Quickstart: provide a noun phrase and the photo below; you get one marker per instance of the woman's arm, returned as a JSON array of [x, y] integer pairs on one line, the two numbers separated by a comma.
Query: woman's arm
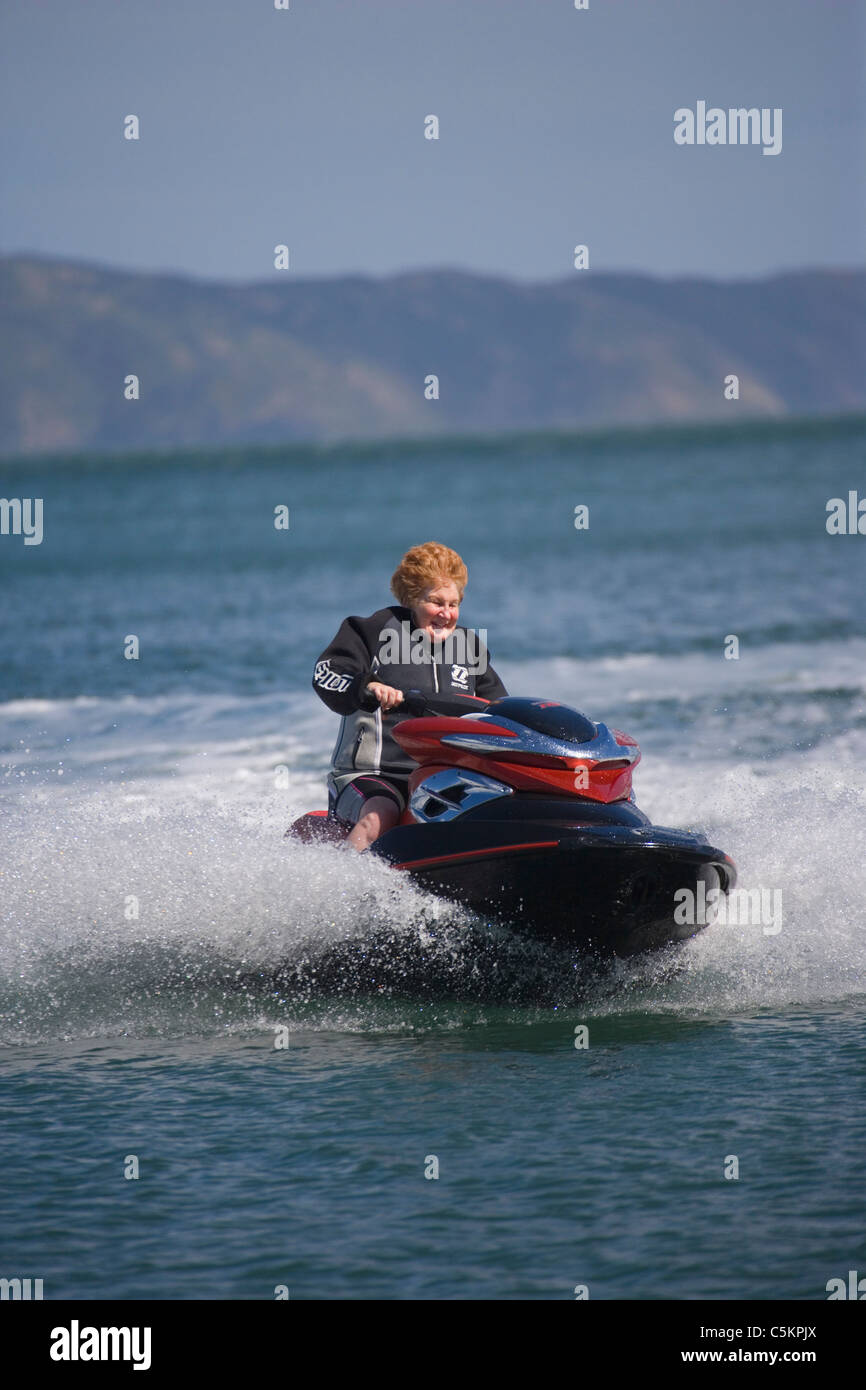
[[344, 668]]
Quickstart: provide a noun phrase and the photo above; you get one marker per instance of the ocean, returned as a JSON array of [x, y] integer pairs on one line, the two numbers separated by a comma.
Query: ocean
[[223, 1072]]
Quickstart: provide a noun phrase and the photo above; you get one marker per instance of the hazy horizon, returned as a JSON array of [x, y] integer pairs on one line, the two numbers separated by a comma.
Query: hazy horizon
[[625, 272]]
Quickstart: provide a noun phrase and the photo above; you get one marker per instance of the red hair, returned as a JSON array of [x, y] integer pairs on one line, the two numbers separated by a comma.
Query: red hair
[[422, 568]]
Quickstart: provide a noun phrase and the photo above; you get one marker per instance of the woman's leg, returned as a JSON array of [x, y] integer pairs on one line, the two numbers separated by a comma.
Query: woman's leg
[[380, 814]]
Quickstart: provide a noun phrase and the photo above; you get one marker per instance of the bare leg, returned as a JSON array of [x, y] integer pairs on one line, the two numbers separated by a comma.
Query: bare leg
[[380, 814]]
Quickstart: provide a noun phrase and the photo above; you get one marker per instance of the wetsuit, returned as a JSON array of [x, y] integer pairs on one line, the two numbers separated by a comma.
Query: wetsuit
[[387, 647]]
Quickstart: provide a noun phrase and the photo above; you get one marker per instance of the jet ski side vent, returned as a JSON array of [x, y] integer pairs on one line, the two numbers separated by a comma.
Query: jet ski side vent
[[452, 791]]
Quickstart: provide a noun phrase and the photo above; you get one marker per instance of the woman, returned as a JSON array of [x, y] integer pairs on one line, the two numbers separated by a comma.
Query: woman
[[415, 644]]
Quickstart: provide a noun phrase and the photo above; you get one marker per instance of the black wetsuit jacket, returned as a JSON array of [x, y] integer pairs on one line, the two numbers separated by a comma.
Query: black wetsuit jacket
[[387, 647]]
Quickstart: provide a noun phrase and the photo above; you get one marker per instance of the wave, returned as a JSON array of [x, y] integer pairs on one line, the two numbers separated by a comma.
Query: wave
[[766, 676], [126, 911]]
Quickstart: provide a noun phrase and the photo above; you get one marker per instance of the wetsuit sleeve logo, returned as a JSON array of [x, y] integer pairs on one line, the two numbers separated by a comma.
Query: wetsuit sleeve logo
[[326, 679]]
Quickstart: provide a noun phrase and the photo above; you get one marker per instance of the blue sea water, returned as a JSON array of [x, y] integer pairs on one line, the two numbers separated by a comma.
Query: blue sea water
[[167, 782]]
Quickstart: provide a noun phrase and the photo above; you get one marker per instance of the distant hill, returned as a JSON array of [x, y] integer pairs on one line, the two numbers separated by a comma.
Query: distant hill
[[346, 358]]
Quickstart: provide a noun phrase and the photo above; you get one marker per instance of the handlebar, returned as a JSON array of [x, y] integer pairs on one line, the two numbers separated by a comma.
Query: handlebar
[[420, 702]]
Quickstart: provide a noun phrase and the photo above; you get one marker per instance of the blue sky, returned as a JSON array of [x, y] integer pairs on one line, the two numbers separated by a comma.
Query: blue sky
[[306, 127]]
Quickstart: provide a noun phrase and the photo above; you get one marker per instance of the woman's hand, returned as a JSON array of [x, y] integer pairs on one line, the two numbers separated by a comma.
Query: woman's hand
[[387, 695]]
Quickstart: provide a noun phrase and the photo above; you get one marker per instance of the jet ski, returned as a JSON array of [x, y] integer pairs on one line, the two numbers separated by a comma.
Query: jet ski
[[522, 810]]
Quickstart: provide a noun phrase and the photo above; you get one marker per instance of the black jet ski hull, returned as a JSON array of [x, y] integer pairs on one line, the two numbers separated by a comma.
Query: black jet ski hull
[[602, 883]]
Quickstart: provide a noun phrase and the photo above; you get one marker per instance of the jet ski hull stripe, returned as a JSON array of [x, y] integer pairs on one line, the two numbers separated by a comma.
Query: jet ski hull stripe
[[475, 854]]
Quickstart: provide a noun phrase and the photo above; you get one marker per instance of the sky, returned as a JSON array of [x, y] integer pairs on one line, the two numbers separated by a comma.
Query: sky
[[305, 126]]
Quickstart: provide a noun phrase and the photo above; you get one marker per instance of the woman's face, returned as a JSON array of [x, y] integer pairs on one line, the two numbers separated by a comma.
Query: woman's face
[[437, 612]]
